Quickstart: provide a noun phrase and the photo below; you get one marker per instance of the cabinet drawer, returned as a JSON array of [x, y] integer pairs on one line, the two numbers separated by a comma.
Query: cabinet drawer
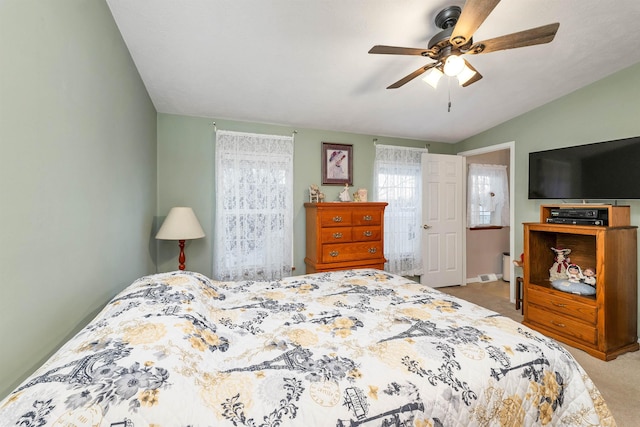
[[335, 218], [366, 217], [336, 235], [351, 251], [562, 305], [563, 325], [362, 234]]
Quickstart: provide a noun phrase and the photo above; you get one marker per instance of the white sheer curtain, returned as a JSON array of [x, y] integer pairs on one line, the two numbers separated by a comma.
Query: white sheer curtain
[[254, 206], [487, 195], [398, 181]]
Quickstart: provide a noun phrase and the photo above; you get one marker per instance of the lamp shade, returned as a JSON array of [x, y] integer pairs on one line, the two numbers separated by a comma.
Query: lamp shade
[[180, 224], [433, 77], [453, 65], [465, 75]]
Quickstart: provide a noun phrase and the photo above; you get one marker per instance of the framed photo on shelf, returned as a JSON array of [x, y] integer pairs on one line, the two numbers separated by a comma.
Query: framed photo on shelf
[[337, 164]]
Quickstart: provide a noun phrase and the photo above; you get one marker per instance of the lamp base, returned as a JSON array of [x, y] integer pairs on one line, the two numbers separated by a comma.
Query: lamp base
[[181, 258]]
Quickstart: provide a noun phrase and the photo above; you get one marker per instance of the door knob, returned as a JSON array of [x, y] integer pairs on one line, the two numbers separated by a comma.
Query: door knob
[[426, 227]]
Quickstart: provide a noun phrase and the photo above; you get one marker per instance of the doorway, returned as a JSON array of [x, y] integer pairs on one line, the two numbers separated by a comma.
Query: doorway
[[506, 151]]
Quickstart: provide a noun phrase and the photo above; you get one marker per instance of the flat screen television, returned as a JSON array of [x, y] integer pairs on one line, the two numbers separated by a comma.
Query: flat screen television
[[607, 170]]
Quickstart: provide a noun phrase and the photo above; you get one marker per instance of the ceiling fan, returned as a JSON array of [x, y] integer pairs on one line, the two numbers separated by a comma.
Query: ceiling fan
[[456, 39]]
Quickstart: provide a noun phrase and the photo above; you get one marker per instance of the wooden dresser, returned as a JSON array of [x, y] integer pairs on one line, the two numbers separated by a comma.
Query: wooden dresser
[[344, 235], [605, 324]]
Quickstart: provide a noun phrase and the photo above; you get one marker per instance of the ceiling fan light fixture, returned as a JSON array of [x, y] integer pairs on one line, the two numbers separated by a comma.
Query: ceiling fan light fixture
[[453, 65], [465, 75], [456, 39], [433, 77]]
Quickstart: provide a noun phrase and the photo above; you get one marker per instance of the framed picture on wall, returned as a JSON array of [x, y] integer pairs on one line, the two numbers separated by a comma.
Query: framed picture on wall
[[337, 164]]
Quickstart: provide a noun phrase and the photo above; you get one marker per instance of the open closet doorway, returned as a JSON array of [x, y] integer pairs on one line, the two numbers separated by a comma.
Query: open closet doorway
[[485, 247]]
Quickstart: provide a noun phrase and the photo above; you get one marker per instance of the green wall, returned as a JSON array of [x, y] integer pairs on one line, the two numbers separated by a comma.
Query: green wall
[[186, 169], [606, 110], [88, 170], [77, 175]]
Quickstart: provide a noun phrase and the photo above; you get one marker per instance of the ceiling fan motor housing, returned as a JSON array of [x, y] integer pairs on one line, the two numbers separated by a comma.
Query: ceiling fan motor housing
[[441, 39], [448, 17], [440, 44]]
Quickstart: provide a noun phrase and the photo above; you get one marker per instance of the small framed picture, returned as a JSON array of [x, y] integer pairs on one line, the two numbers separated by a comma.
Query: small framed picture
[[337, 164]]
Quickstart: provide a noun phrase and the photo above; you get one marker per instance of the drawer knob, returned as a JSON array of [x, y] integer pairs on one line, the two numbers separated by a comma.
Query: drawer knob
[[561, 325], [373, 250], [367, 217], [337, 235], [558, 305], [333, 253], [367, 233], [337, 218]]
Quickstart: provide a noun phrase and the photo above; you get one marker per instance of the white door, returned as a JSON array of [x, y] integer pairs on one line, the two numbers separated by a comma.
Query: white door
[[443, 220]]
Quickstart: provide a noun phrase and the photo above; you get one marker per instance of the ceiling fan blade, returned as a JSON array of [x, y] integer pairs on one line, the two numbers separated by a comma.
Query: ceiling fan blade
[[395, 50], [473, 15], [477, 76], [533, 36], [411, 76]]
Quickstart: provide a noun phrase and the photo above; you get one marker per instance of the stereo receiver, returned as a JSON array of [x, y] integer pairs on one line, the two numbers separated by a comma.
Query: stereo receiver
[[577, 221], [579, 213]]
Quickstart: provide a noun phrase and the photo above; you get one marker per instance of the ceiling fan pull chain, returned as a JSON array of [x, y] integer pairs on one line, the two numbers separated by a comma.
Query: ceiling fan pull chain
[[449, 90]]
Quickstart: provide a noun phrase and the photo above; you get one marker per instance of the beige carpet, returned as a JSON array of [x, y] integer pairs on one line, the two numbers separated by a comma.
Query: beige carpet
[[618, 380]]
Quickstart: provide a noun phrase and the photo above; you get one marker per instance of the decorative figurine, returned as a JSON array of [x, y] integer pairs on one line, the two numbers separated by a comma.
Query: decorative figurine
[[577, 281], [344, 195], [574, 272], [314, 193], [589, 278], [519, 262], [360, 195], [559, 268]]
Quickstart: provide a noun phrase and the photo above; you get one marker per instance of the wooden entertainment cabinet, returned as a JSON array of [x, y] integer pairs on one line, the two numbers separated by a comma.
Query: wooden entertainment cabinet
[[605, 324]]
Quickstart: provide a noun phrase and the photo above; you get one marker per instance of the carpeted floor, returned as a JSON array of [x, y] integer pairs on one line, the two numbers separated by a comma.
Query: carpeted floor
[[618, 380]]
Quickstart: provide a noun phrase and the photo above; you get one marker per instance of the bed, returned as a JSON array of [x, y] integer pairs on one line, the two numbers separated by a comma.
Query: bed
[[346, 348]]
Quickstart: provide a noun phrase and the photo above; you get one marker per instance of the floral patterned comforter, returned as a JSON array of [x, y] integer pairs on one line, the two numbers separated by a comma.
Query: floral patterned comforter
[[350, 348]]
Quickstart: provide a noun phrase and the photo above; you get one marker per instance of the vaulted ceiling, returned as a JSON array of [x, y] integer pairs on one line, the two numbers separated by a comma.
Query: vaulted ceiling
[[304, 63]]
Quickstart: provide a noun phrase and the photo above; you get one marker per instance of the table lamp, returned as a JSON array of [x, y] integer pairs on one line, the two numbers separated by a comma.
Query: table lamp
[[181, 224]]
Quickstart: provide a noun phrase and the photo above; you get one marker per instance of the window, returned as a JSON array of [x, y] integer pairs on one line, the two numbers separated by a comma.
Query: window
[[397, 180], [487, 196], [254, 206]]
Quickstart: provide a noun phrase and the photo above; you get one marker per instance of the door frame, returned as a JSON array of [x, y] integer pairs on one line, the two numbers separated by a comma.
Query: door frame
[[511, 146]]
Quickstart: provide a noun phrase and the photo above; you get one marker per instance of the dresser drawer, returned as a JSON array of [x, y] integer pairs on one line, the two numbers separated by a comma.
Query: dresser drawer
[[366, 217], [563, 306], [563, 325], [336, 235], [351, 251], [362, 234], [335, 218]]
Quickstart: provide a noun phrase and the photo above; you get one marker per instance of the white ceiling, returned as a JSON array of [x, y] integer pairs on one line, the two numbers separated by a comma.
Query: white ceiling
[[304, 63]]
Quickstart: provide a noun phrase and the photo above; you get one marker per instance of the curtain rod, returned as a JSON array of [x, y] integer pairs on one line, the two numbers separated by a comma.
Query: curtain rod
[[426, 146], [375, 142], [215, 129]]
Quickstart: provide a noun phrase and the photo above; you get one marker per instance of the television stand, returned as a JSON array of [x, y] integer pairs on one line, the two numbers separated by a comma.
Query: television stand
[[605, 324]]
